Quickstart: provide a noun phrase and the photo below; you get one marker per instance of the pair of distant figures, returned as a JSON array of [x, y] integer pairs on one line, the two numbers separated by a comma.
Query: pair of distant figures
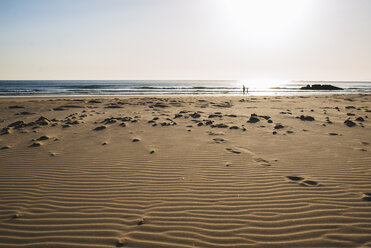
[[244, 89]]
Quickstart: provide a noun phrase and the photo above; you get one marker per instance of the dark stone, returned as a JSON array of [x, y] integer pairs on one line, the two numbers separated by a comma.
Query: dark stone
[[195, 115], [16, 107], [43, 138], [43, 121], [321, 87], [360, 119], [306, 118], [278, 126], [100, 128], [221, 125], [159, 105], [75, 122], [35, 144], [17, 124], [349, 123], [94, 101], [253, 119], [350, 107], [208, 122]]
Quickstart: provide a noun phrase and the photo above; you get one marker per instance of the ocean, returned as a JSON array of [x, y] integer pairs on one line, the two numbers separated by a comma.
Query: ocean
[[169, 87]]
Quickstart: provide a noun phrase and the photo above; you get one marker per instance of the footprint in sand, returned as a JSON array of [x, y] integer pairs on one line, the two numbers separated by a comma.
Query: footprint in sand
[[262, 162], [367, 197], [121, 243], [219, 140], [233, 151], [294, 178], [309, 183], [302, 182], [35, 144]]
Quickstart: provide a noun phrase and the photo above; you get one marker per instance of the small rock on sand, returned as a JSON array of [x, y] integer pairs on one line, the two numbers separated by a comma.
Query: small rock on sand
[[349, 123], [253, 119], [44, 137], [278, 126], [35, 144], [306, 118], [99, 128]]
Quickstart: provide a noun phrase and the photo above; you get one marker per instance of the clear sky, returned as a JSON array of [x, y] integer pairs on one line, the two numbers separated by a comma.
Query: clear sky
[[185, 39]]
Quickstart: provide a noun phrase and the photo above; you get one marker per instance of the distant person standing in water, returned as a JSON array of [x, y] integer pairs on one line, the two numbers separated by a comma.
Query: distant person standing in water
[[243, 89]]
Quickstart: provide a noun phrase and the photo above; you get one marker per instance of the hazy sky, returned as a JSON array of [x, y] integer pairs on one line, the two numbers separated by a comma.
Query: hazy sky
[[185, 39]]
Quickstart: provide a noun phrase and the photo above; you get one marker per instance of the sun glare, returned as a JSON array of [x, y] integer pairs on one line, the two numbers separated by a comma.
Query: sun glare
[[265, 19]]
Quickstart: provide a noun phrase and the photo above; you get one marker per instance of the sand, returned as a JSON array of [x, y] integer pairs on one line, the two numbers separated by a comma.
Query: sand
[[183, 171]]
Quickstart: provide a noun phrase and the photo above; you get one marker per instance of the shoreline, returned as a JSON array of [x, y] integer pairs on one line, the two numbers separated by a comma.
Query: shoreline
[[308, 94]]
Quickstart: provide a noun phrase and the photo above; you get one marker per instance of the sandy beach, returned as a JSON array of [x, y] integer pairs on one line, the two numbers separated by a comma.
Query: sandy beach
[[187, 171]]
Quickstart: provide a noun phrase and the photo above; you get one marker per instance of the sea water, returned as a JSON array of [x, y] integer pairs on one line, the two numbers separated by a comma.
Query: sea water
[[168, 87]]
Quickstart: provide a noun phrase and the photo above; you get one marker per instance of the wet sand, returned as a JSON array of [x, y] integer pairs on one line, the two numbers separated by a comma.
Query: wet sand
[[199, 171]]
